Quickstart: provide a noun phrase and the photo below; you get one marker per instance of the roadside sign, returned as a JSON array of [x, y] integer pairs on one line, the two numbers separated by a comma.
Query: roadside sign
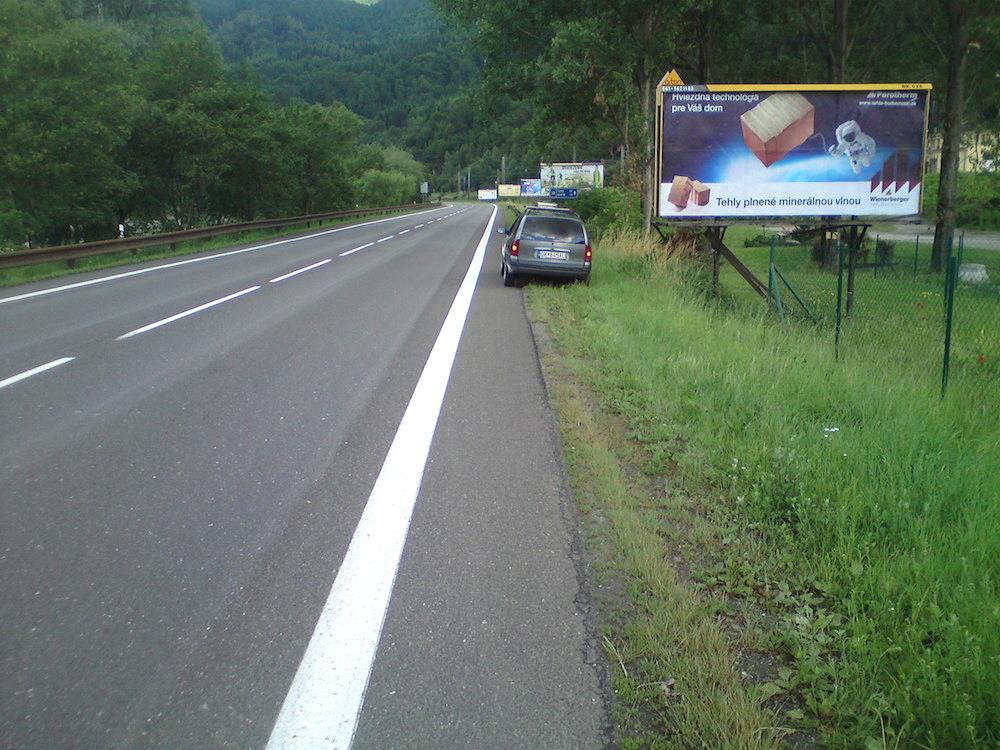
[[672, 79], [758, 151], [425, 188], [578, 175], [487, 195], [531, 187], [563, 192]]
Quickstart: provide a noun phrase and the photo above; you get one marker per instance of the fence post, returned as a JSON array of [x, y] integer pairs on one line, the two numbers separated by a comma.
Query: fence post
[[840, 296], [916, 256], [951, 282], [875, 270], [852, 263], [772, 285]]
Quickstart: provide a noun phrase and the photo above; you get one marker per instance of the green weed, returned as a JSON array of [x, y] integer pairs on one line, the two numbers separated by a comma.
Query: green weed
[[862, 512]]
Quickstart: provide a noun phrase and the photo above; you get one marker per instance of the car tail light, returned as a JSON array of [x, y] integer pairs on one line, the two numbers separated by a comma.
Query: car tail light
[[515, 248], [587, 254]]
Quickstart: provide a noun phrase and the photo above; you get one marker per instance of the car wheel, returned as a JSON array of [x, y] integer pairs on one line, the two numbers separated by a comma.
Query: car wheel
[[508, 277]]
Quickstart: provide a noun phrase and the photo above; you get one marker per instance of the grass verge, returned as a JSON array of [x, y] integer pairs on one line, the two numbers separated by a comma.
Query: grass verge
[[836, 521], [55, 269], [676, 678]]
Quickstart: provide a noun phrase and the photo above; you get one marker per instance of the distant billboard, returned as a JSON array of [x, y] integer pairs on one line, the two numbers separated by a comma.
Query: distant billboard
[[563, 192], [579, 175], [509, 191], [487, 195], [808, 150], [531, 187]]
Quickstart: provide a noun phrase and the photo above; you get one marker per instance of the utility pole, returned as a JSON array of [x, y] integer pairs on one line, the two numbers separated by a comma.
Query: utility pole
[[574, 152], [469, 179], [503, 170]]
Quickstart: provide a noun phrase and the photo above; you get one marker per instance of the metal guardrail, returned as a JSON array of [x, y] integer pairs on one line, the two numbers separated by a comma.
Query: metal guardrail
[[101, 247]]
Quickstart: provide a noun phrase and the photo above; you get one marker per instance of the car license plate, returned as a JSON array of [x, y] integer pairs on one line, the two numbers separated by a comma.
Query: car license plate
[[551, 255]]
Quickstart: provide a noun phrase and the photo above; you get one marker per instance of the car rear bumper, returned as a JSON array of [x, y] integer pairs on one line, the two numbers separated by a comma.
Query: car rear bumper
[[523, 268]]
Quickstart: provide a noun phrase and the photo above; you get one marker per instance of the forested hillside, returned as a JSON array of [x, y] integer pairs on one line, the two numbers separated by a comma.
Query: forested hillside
[[125, 112], [409, 72]]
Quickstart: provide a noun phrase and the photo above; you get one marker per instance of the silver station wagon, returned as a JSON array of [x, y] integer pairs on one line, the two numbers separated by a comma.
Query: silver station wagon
[[549, 242]]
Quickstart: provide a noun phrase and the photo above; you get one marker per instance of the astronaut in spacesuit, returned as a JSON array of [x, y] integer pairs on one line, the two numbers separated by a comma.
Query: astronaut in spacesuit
[[855, 144]]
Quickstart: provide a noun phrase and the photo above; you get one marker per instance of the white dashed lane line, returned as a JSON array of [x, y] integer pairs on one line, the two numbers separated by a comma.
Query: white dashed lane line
[[202, 258], [354, 250], [34, 371], [404, 231], [186, 313], [385, 239], [301, 270]]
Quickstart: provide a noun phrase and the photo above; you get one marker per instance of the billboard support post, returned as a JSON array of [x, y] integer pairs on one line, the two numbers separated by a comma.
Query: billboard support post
[[716, 235], [852, 262], [840, 295], [716, 268]]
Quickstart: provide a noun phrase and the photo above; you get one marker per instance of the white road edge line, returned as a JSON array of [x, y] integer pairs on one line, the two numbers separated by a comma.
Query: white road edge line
[[301, 270], [34, 371], [200, 259], [362, 247], [324, 701], [186, 313]]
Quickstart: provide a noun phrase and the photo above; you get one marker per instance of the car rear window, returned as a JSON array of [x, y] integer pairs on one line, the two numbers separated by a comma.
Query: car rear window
[[552, 229]]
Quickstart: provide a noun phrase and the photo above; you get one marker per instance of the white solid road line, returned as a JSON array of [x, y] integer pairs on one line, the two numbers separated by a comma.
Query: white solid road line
[[186, 313], [362, 247], [323, 704], [34, 371], [201, 259], [301, 270]]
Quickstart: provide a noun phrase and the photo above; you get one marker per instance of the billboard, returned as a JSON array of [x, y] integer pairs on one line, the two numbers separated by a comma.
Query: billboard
[[563, 192], [487, 195], [752, 151], [531, 187], [509, 191], [581, 176]]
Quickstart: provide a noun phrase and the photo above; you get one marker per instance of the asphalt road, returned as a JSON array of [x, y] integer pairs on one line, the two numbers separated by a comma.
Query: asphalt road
[[186, 453]]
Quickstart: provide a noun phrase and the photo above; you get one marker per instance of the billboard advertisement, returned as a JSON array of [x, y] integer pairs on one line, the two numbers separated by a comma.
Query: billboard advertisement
[[531, 187], [579, 175], [563, 192], [487, 195], [809, 150], [509, 191]]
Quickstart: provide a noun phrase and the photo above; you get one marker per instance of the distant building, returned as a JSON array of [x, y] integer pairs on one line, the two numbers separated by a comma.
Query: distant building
[[980, 152]]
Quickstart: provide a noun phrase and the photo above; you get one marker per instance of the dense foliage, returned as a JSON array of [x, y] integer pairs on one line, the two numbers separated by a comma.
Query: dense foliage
[[126, 112], [412, 75]]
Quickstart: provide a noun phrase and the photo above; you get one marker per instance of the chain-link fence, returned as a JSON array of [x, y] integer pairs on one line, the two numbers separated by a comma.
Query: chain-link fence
[[885, 300]]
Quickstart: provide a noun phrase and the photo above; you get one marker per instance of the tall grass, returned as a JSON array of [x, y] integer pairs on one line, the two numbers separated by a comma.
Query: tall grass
[[873, 506]]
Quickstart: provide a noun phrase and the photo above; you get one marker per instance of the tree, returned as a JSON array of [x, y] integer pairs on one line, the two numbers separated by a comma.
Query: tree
[[951, 30], [316, 144], [67, 102]]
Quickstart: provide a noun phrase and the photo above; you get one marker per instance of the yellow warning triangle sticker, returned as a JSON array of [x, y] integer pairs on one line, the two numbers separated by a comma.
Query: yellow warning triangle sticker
[[672, 79]]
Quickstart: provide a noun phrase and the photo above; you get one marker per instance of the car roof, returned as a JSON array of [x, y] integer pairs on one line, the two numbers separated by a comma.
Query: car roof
[[562, 213]]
